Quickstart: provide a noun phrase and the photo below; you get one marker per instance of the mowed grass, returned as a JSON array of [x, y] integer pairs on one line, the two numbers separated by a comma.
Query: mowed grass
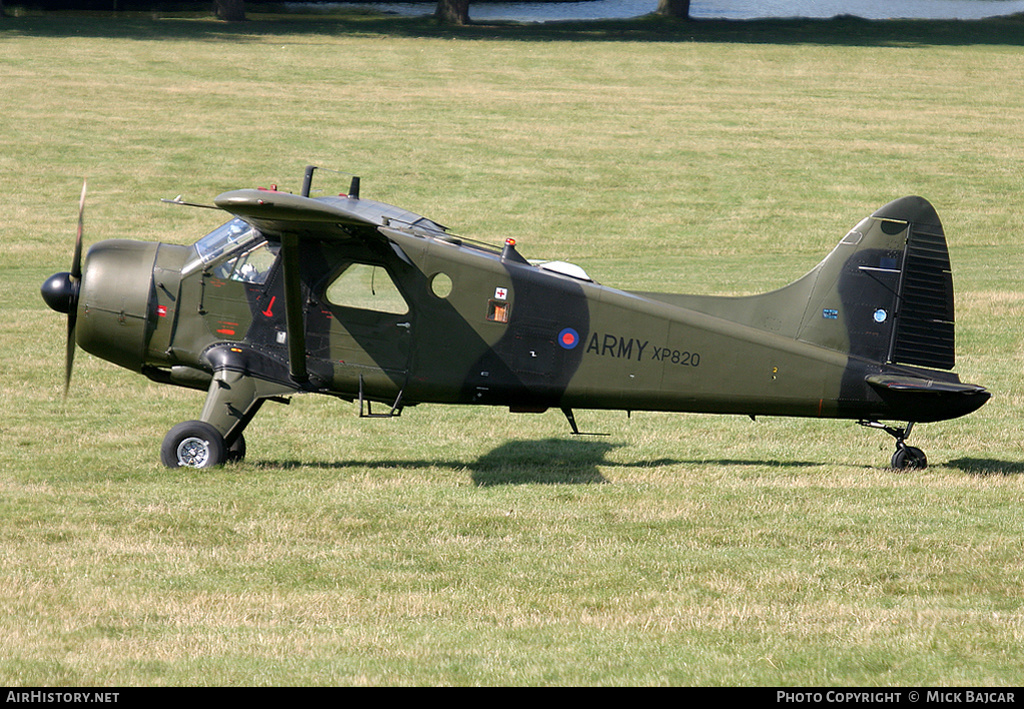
[[472, 546]]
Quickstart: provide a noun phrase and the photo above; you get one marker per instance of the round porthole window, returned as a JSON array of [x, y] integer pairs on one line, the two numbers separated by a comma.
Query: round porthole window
[[441, 285]]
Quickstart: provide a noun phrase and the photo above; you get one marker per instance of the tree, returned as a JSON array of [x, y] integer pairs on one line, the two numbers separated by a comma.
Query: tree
[[454, 12], [228, 10], [674, 8]]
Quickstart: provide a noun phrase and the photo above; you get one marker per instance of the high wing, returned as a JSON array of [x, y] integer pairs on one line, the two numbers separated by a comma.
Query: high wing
[[281, 214]]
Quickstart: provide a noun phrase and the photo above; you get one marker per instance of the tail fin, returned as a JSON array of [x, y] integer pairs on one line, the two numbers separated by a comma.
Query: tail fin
[[885, 293], [889, 284]]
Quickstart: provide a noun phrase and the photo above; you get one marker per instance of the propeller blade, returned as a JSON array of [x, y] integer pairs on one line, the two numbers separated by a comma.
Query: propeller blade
[[69, 353], [76, 276], [76, 260]]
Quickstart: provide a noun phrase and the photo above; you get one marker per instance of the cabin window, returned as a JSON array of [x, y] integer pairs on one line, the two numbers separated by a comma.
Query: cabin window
[[367, 287], [441, 285]]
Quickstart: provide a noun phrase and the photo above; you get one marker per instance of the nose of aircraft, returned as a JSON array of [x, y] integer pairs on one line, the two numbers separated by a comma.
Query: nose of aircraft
[[109, 305], [115, 299]]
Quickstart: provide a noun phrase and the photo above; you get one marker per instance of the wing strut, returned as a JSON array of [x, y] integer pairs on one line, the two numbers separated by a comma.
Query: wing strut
[[295, 319]]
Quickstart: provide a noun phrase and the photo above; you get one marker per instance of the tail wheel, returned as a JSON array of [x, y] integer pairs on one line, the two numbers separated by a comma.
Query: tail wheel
[[909, 458], [193, 444], [906, 457]]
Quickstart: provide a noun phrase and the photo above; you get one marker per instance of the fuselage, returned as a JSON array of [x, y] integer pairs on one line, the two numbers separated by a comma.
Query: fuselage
[[431, 319]]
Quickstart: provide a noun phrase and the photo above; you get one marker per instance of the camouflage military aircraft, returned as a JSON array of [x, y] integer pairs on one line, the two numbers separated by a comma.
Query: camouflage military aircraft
[[368, 302]]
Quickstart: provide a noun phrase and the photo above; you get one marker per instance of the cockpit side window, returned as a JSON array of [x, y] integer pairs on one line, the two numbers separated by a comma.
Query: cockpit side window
[[254, 265]]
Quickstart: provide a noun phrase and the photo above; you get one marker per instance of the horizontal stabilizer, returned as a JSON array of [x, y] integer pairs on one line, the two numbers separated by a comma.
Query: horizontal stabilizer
[[923, 400], [921, 386]]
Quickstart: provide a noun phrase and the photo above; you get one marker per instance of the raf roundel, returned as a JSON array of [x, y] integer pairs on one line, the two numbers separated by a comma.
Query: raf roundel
[[568, 338]]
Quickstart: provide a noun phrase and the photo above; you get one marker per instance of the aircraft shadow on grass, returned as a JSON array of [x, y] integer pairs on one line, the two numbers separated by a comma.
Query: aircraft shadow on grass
[[551, 461], [982, 467]]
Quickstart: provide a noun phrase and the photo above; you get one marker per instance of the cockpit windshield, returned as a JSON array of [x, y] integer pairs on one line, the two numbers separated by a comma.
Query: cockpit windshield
[[225, 239]]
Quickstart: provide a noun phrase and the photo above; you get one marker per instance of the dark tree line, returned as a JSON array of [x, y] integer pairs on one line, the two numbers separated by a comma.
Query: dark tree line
[[452, 12]]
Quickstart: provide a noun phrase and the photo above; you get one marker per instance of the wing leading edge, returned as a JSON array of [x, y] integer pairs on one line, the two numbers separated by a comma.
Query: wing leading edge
[[277, 214]]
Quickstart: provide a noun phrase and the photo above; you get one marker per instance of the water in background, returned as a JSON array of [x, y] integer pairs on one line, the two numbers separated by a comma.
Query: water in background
[[728, 9]]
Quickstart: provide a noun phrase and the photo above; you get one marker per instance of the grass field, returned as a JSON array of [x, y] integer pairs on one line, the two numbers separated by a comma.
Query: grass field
[[476, 547]]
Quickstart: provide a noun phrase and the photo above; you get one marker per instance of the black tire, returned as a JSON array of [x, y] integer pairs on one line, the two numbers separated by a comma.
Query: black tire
[[193, 444], [909, 458]]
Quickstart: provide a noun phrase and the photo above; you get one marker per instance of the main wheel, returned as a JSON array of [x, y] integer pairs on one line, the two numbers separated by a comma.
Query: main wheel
[[193, 444], [909, 458]]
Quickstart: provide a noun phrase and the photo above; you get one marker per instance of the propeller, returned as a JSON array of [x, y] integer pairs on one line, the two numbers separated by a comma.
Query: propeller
[[60, 291]]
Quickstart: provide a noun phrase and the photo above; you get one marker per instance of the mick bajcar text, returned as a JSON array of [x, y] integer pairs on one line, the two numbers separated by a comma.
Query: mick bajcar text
[[888, 697]]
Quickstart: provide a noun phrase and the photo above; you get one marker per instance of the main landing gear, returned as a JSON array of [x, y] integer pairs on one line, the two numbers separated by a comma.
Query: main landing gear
[[906, 457], [216, 438]]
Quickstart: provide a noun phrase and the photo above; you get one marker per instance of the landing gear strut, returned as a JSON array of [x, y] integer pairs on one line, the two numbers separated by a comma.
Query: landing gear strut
[[216, 438], [906, 457]]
